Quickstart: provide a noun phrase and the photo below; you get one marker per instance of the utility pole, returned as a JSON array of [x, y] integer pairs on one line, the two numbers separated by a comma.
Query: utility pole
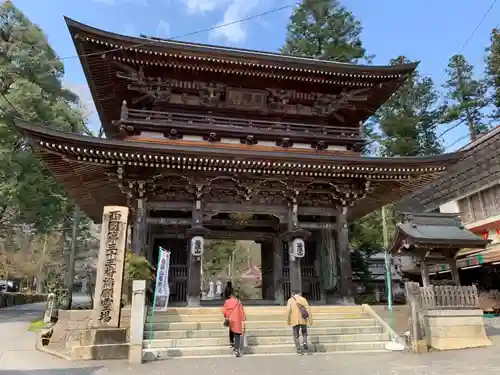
[[72, 257]]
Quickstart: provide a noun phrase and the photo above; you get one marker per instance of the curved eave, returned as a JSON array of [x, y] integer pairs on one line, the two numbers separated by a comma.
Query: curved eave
[[82, 164], [399, 165], [235, 55]]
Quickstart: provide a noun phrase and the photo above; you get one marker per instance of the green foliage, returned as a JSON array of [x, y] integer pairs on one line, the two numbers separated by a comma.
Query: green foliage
[[325, 30], [467, 96], [31, 88], [408, 120], [493, 71], [137, 267], [217, 256]]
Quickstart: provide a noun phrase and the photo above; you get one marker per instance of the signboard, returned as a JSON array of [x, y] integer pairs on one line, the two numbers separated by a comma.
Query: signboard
[[162, 289]]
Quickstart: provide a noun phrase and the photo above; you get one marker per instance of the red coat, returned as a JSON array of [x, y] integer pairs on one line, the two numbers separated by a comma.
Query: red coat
[[233, 309]]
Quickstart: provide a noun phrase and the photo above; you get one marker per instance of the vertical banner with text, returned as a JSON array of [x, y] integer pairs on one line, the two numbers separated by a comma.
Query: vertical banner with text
[[162, 289]]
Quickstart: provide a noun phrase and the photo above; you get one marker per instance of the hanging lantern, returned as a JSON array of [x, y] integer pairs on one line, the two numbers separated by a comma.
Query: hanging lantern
[[197, 246], [298, 248]]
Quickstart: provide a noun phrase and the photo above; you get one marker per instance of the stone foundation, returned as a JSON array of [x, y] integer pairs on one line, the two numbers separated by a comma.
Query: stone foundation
[[73, 336], [455, 329]]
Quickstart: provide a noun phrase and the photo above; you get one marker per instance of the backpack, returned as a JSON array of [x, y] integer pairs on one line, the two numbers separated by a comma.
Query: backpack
[[303, 311]]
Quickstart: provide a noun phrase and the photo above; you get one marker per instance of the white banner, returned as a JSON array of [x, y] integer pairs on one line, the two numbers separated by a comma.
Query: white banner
[[162, 290]]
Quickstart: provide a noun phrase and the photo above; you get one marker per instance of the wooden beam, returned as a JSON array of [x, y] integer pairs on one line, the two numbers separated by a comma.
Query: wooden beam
[[241, 207], [231, 223]]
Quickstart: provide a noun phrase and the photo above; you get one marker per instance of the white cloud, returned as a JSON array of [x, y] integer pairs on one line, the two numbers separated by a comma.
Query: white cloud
[[163, 29], [233, 10], [202, 6], [236, 10]]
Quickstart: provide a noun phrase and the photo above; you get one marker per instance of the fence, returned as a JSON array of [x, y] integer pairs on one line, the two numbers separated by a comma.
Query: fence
[[448, 297]]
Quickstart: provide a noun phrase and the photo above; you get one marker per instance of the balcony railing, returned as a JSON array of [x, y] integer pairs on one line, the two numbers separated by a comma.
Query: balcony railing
[[196, 124]]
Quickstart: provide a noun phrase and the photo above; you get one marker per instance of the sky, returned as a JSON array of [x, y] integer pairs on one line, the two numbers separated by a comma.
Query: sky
[[429, 31]]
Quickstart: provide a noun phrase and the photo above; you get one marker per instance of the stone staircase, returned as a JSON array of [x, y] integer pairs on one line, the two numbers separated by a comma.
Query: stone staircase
[[197, 332]]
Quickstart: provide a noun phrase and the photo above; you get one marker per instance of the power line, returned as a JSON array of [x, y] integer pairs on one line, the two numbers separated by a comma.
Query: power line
[[215, 27], [479, 24]]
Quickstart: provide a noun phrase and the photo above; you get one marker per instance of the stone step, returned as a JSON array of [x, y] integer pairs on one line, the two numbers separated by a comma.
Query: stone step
[[161, 318], [282, 331], [263, 340], [264, 310], [166, 353], [251, 324]]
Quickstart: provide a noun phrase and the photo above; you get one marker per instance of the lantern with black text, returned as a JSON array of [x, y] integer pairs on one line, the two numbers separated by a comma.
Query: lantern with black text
[[197, 245], [299, 248]]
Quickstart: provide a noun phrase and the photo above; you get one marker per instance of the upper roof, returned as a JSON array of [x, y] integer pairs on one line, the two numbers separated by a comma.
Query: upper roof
[[429, 231], [82, 165], [104, 54]]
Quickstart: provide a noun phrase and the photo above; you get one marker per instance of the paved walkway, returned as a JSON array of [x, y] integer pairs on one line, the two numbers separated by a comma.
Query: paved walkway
[[19, 357]]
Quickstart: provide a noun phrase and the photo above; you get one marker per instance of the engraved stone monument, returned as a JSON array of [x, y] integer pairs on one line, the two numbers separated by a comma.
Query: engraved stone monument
[[50, 308], [108, 288]]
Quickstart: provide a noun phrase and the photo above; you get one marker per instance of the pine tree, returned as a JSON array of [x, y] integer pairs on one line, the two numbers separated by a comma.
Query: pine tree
[[325, 30], [493, 72], [467, 95], [408, 121]]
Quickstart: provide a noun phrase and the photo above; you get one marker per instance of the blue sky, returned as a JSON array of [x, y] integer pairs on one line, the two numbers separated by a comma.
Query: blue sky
[[426, 30]]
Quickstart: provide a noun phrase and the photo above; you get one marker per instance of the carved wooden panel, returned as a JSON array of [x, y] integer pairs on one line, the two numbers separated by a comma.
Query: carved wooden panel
[[246, 98]]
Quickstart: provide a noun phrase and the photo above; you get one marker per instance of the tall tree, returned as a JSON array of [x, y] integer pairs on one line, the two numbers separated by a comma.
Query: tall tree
[[467, 96], [30, 88], [325, 30], [408, 121], [493, 71]]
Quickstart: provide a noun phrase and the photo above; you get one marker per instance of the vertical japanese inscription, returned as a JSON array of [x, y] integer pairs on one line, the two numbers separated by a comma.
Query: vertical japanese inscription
[[110, 267]]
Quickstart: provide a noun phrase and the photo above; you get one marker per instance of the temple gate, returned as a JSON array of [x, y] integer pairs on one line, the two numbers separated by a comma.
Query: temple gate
[[196, 133]]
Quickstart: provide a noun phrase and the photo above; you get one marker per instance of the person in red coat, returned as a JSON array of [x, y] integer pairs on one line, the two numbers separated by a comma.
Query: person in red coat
[[235, 315]]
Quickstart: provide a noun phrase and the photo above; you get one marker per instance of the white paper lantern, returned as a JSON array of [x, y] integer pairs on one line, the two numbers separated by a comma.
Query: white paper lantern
[[197, 246], [299, 248]]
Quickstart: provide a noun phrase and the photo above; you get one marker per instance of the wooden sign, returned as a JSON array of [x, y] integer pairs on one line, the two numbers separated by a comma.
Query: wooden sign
[[246, 98], [110, 263]]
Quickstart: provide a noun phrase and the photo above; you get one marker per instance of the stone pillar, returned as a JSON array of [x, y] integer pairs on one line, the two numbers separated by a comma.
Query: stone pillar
[[344, 256], [454, 272], [279, 293], [138, 313], [111, 260], [140, 232]]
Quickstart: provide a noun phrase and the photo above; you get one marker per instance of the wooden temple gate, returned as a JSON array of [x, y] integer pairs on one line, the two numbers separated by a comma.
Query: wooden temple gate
[[196, 132]]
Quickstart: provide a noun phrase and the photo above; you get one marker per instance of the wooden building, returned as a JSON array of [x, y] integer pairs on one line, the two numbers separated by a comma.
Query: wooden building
[[198, 132], [471, 189]]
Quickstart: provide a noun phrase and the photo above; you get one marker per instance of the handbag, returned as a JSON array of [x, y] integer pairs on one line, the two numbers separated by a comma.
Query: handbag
[[303, 311], [225, 322]]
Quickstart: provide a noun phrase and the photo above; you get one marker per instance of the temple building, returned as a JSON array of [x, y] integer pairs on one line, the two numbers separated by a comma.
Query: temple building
[[213, 142]]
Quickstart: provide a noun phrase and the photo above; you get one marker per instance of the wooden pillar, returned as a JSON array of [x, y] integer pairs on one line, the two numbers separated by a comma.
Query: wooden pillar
[[267, 268], [140, 228], [454, 271], [424, 269], [194, 262], [279, 293], [344, 256], [294, 264], [328, 264]]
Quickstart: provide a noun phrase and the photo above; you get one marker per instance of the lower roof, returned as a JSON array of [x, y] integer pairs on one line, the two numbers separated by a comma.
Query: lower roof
[[83, 165], [434, 231]]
